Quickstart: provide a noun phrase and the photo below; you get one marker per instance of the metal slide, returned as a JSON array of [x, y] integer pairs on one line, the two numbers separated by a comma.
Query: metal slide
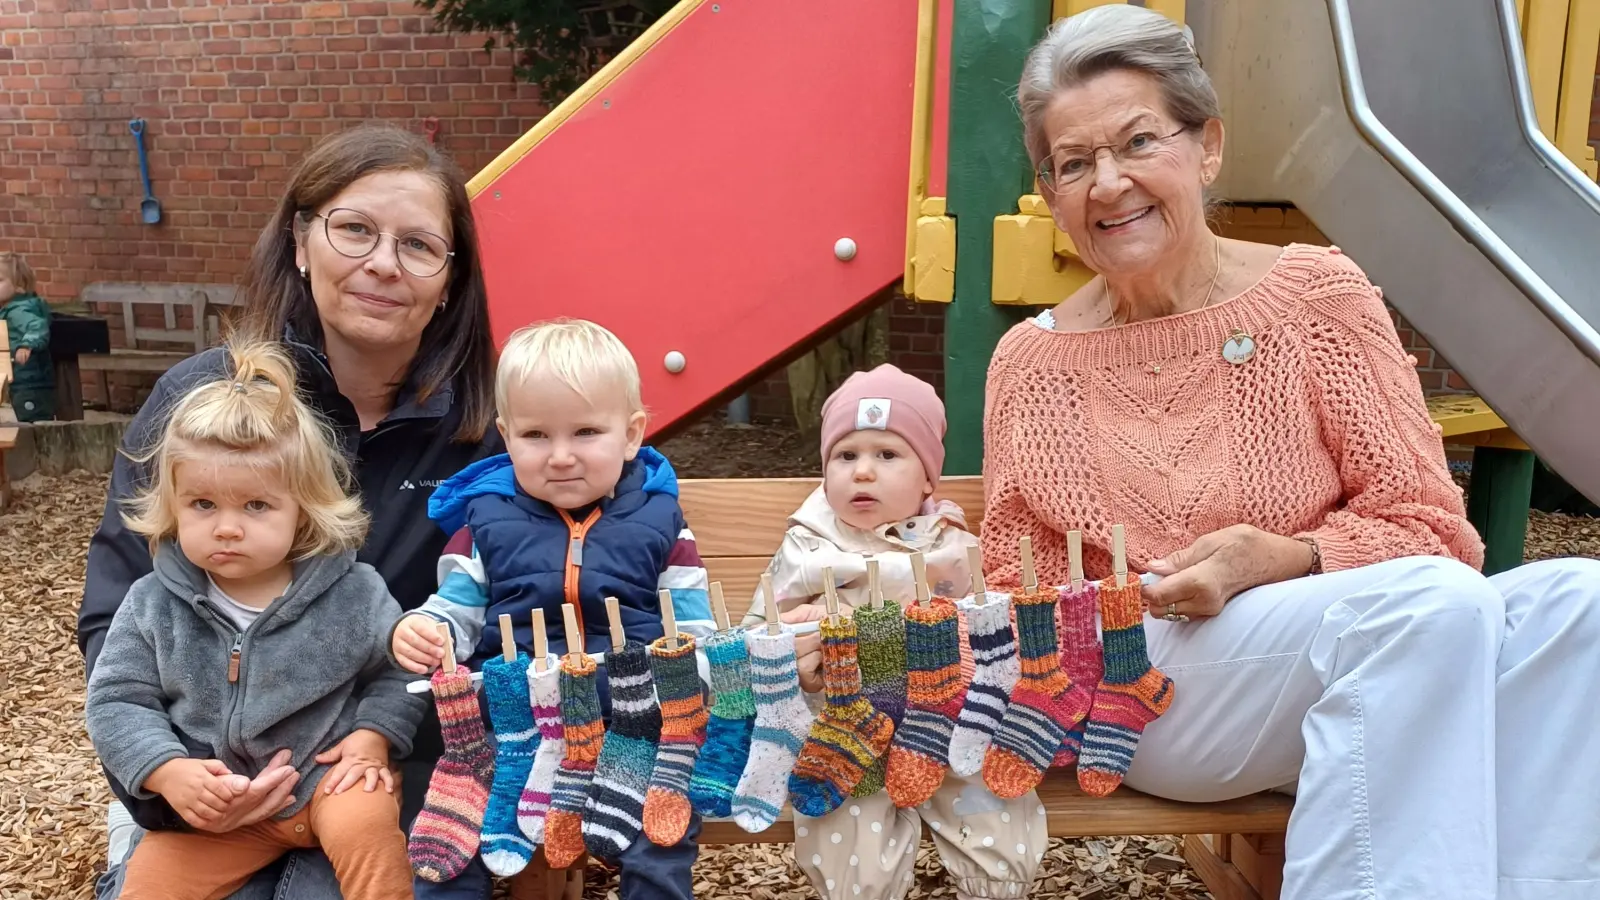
[[1406, 132]]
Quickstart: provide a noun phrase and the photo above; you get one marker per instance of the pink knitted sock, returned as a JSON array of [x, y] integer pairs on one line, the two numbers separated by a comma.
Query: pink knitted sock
[[1082, 657]]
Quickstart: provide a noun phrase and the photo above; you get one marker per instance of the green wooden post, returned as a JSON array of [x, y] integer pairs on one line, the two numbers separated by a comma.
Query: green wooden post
[[988, 172], [1497, 504]]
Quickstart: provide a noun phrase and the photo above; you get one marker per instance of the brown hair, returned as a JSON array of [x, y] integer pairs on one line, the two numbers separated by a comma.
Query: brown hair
[[22, 278], [456, 345]]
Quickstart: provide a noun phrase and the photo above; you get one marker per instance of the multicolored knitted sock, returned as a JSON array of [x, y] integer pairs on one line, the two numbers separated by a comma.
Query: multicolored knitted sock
[[506, 851], [847, 738], [1132, 695], [733, 718], [782, 722], [934, 694], [584, 732], [1081, 656], [881, 646], [683, 730], [545, 689], [444, 837], [994, 654], [1044, 706], [614, 815]]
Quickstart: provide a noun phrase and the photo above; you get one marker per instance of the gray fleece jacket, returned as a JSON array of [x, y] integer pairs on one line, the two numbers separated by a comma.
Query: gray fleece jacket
[[177, 679]]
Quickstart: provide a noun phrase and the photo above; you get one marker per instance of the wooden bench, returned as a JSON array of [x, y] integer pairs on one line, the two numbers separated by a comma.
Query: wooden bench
[[1502, 475], [191, 321]]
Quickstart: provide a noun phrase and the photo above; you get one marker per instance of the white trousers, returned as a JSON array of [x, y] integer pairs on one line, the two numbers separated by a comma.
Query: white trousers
[[1437, 727]]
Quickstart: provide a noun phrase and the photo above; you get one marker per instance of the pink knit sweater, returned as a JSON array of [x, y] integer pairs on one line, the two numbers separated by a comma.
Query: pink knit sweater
[[1323, 432]]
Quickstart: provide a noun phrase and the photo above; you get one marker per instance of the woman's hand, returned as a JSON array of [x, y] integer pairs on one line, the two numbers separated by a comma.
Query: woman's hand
[[250, 800], [807, 647], [1199, 579], [362, 755]]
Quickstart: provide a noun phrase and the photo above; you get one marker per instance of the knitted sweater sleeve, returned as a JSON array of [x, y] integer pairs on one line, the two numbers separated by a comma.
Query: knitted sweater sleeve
[[1007, 515], [1399, 499]]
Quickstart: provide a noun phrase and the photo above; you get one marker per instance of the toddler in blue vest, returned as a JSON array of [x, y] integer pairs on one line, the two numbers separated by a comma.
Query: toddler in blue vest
[[576, 511]]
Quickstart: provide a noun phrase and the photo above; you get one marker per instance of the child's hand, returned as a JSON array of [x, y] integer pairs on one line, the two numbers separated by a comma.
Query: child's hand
[[364, 754], [23, 355], [198, 789], [807, 647], [417, 644]]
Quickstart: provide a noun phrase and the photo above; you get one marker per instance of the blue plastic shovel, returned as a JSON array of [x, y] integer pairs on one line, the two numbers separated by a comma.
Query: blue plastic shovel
[[150, 209]]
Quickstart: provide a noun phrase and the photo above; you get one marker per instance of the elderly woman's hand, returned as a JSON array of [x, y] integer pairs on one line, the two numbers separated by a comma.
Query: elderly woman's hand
[[1199, 579]]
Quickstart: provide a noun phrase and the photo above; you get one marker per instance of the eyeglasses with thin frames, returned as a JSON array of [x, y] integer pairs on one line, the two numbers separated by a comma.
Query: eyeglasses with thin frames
[[1069, 166], [353, 234]]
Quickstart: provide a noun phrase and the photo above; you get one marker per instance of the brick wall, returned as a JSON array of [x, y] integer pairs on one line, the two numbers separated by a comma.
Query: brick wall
[[233, 92]]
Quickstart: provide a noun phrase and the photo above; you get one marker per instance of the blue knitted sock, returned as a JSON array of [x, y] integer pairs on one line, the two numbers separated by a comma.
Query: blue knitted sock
[[733, 720], [504, 849]]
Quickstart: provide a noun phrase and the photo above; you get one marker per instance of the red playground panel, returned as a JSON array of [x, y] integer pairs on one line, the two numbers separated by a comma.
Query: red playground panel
[[693, 202]]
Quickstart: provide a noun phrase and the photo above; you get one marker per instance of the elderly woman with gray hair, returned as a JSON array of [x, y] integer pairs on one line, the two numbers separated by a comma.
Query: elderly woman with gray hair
[[1248, 413]]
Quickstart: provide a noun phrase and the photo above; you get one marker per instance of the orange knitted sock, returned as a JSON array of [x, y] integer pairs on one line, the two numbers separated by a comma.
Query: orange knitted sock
[[1131, 695]]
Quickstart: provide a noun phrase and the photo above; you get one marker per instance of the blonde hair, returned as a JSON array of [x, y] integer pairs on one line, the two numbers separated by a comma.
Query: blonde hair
[[22, 278], [253, 416], [575, 352]]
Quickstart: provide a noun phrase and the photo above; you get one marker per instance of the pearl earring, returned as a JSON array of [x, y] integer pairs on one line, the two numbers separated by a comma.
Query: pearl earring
[[303, 272]]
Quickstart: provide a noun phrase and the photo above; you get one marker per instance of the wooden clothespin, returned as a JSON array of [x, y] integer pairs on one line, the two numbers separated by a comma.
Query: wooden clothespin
[[769, 603], [508, 641], [669, 622], [719, 609], [1075, 558], [874, 585], [1030, 578], [574, 636], [919, 574], [619, 639], [980, 591], [449, 648], [541, 648], [1119, 556], [832, 595]]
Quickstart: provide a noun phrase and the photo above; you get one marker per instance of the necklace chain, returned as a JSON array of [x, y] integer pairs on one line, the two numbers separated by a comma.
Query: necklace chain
[[1216, 270]]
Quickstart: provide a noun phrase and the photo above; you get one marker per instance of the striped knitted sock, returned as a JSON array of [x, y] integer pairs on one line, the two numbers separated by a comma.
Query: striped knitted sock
[[1080, 655], [847, 738], [934, 693], [444, 836], [505, 850], [994, 653], [782, 721], [733, 718], [683, 730], [1044, 706], [881, 635], [614, 815], [545, 688], [584, 733], [1132, 695]]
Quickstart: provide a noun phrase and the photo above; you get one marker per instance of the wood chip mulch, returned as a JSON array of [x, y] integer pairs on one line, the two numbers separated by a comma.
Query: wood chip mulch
[[53, 799]]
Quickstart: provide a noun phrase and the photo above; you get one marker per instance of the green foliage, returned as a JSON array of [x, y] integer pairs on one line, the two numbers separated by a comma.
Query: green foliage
[[558, 43]]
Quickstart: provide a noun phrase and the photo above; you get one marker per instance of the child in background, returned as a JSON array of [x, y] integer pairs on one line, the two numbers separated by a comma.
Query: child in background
[[576, 511], [27, 318], [882, 451], [257, 641]]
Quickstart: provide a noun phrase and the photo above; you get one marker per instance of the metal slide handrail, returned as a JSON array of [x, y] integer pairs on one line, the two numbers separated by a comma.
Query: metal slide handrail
[[1466, 222], [1528, 118]]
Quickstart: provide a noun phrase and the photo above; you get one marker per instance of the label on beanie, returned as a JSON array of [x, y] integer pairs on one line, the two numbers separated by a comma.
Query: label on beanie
[[873, 412]]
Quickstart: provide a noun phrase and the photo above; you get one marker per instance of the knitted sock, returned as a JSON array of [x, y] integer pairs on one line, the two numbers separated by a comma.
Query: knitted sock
[[584, 734], [505, 850], [545, 689], [1080, 655], [782, 721], [444, 836], [614, 815], [683, 730], [733, 717], [994, 653], [847, 738], [1131, 696], [881, 635], [1044, 706], [934, 693]]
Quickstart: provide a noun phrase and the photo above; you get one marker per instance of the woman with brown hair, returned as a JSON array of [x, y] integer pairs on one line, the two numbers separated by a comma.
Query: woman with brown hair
[[369, 274]]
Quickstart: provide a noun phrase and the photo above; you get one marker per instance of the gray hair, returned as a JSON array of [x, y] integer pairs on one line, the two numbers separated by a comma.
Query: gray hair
[[1105, 38]]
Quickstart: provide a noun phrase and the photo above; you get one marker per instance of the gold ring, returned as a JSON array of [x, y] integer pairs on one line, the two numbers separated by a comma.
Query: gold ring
[[1172, 609]]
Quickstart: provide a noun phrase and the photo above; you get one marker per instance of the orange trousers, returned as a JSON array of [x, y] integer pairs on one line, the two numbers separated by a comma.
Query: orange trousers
[[359, 832]]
